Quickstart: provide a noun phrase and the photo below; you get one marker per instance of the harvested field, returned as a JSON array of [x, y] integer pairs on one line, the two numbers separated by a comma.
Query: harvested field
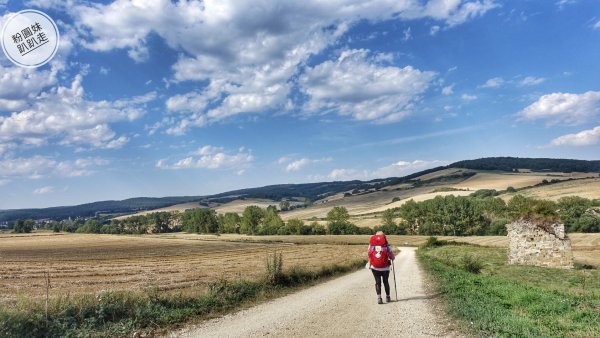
[[501, 181], [238, 206], [87, 263], [587, 188]]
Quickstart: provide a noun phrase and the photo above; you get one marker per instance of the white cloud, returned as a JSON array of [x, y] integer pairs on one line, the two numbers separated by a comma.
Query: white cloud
[[406, 34], [63, 113], [42, 166], [531, 81], [210, 157], [356, 85], [467, 97], [493, 83], [434, 30], [597, 25], [43, 190], [18, 84], [403, 168], [295, 165], [563, 3], [583, 138], [448, 90], [348, 174], [249, 51], [564, 108], [398, 169]]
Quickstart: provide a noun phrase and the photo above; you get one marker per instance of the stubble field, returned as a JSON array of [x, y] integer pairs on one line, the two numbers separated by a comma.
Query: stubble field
[[87, 263], [184, 263]]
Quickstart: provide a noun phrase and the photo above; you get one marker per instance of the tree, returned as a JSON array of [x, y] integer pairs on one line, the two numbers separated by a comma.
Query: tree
[[201, 220], [271, 222], [284, 205], [295, 226], [229, 223], [251, 219], [387, 218], [338, 215], [23, 226]]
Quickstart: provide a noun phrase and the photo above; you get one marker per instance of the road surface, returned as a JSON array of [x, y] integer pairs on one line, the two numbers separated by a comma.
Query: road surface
[[343, 307]]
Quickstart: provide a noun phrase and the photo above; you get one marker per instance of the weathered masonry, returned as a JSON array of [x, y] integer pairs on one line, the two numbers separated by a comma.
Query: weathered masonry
[[539, 243]]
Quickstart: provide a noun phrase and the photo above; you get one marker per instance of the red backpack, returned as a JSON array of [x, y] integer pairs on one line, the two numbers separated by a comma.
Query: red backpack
[[378, 251]]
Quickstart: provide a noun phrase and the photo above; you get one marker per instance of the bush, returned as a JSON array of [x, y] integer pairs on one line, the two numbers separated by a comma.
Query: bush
[[433, 242], [471, 264]]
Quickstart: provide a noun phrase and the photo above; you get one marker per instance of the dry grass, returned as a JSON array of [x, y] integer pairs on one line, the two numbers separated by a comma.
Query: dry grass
[[238, 206], [587, 188], [86, 263], [501, 181]]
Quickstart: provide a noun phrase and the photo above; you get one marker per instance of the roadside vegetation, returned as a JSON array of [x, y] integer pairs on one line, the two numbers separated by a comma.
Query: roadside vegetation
[[118, 314], [494, 299]]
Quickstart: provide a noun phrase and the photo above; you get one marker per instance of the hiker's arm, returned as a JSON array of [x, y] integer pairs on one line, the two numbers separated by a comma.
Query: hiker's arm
[[391, 254]]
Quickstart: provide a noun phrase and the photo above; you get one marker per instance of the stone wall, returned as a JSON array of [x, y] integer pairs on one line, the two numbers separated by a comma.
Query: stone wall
[[539, 243]]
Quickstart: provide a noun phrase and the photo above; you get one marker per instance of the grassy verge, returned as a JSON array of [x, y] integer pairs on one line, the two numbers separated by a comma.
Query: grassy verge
[[494, 299], [116, 314]]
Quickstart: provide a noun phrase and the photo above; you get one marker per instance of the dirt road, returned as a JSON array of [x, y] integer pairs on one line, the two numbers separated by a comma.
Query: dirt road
[[343, 307]]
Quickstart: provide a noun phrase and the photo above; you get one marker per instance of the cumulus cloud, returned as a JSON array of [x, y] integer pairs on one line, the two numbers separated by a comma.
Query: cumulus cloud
[[468, 97], [295, 165], [210, 157], [565, 108], [249, 52], [493, 83], [583, 138], [43, 190], [358, 86], [18, 84], [37, 167], [531, 81], [63, 113], [448, 90]]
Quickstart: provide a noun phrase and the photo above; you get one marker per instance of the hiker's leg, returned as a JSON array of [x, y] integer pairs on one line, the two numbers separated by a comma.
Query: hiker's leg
[[386, 284], [377, 275]]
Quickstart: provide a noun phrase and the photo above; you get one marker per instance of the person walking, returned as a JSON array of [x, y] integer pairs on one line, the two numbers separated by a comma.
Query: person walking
[[380, 257]]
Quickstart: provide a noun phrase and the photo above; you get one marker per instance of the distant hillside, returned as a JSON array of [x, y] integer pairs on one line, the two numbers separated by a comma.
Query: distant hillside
[[535, 164], [312, 191], [92, 209]]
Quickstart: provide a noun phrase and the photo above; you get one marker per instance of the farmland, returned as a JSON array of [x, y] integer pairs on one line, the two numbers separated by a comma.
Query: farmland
[[182, 263], [82, 263]]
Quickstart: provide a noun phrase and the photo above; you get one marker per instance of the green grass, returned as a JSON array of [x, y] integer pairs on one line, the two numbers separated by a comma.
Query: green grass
[[118, 314], [514, 301]]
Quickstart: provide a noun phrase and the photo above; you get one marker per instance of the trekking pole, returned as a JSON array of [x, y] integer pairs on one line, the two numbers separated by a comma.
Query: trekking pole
[[395, 288]]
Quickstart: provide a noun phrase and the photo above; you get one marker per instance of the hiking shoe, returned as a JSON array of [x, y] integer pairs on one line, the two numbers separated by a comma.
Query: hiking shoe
[[379, 300], [388, 299]]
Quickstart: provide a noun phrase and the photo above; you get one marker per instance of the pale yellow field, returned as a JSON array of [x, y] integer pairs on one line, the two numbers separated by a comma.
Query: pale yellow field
[[588, 188], [238, 206], [501, 181]]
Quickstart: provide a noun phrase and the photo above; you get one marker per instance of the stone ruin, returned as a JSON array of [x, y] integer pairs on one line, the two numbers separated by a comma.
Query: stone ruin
[[539, 243]]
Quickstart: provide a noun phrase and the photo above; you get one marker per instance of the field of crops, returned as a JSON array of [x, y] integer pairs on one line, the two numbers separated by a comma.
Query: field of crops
[[88, 263]]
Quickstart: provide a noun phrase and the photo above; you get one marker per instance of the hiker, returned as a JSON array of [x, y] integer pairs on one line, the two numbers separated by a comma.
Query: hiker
[[380, 257]]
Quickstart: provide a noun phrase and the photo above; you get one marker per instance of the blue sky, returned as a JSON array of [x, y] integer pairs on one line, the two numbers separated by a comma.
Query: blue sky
[[163, 98]]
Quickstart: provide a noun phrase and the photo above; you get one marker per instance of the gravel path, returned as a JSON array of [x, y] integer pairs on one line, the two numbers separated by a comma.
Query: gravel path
[[343, 307]]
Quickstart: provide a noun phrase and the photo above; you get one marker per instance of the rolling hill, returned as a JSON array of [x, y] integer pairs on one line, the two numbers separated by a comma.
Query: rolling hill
[[362, 198]]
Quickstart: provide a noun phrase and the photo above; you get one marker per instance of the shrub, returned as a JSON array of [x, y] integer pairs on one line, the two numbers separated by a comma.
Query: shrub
[[274, 268], [471, 264]]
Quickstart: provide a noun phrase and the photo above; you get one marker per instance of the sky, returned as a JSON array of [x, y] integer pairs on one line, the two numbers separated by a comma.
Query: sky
[[170, 98]]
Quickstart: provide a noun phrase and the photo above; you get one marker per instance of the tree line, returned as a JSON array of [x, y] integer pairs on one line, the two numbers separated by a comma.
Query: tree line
[[481, 213]]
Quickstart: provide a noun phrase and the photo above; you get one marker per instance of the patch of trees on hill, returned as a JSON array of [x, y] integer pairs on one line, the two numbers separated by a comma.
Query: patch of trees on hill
[[536, 164]]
